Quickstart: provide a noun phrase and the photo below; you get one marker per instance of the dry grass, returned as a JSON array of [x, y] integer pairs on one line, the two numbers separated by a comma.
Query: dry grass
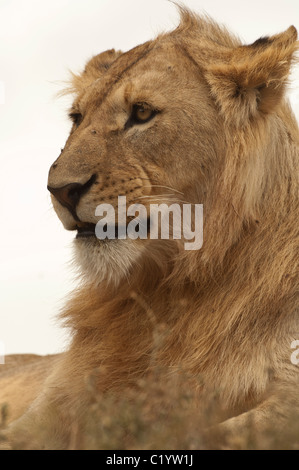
[[162, 411], [162, 414]]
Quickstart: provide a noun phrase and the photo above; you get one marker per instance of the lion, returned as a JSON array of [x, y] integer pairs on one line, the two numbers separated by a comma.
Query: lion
[[193, 116]]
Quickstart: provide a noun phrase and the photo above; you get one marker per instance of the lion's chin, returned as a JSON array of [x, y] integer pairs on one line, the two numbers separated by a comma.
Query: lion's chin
[[108, 261]]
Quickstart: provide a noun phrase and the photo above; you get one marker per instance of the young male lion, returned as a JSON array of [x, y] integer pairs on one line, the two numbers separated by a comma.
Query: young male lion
[[192, 116]]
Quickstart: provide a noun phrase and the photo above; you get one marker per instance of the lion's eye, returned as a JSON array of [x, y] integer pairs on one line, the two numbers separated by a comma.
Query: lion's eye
[[140, 115], [76, 118]]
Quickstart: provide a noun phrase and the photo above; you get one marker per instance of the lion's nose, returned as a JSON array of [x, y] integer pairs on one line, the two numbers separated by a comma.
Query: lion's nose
[[70, 194]]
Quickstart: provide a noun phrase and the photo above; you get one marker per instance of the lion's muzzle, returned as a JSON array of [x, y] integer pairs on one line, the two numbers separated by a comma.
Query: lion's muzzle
[[69, 195]]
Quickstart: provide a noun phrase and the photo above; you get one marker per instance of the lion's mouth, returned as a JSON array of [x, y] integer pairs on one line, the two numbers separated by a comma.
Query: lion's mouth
[[87, 230]]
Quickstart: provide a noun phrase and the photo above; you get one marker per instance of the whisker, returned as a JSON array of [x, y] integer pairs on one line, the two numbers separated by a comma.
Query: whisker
[[165, 187], [160, 186], [165, 198], [156, 196]]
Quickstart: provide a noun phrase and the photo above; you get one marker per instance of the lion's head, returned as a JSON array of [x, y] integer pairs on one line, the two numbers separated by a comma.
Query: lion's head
[[187, 117]]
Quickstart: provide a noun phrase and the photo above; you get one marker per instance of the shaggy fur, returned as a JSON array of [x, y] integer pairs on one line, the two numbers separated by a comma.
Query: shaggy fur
[[224, 136]]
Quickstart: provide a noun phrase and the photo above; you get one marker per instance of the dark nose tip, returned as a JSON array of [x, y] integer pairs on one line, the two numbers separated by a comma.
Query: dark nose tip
[[70, 194]]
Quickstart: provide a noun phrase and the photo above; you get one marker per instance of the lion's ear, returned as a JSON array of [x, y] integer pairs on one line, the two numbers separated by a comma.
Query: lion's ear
[[254, 78], [94, 69]]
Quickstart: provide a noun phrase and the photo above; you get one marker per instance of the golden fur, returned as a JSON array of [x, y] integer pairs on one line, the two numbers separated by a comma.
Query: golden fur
[[225, 137]]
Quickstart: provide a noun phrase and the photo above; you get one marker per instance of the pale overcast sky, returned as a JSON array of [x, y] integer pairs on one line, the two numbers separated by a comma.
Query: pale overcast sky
[[40, 40]]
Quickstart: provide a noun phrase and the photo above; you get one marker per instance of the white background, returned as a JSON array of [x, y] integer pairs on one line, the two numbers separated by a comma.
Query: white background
[[40, 40]]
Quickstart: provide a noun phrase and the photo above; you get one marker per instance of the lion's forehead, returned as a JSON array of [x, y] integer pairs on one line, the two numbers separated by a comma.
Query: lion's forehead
[[140, 68], [102, 87]]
